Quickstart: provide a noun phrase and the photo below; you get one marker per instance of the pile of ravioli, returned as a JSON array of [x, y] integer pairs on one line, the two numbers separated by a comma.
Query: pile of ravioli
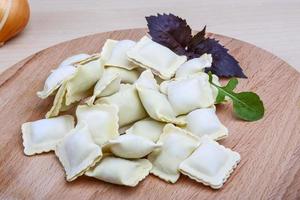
[[140, 109]]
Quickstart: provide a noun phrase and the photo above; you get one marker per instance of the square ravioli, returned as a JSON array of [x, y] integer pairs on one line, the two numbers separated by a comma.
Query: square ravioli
[[177, 145], [128, 103], [102, 121], [107, 85], [120, 171], [114, 53], [43, 135], [151, 55], [155, 103], [126, 76], [131, 146], [190, 93], [77, 152], [57, 76], [88, 73], [194, 66], [56, 79], [147, 128], [204, 121], [210, 164], [58, 102], [74, 59]]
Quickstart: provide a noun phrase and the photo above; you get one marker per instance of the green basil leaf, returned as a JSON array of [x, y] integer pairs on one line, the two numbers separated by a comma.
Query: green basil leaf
[[246, 105]]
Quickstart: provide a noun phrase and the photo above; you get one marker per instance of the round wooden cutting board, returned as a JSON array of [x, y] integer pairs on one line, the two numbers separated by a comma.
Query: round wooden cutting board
[[270, 148]]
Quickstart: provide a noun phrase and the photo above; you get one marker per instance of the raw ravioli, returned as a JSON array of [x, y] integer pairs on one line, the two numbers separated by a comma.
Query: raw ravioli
[[74, 59], [107, 85], [147, 128], [120, 171], [128, 102], [151, 55], [155, 103], [211, 164], [131, 146], [43, 135], [65, 70], [55, 80], [190, 93], [59, 103], [77, 152], [114, 53], [194, 66], [178, 144], [88, 73], [126, 76], [205, 122], [102, 121]]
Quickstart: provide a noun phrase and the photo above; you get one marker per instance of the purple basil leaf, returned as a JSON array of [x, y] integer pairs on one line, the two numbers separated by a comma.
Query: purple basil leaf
[[224, 65], [198, 38], [170, 31]]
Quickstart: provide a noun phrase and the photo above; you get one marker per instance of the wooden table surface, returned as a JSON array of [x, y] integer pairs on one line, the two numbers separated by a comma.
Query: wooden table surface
[[271, 24]]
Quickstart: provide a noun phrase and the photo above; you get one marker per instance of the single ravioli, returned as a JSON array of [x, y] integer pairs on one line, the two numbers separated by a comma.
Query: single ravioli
[[128, 102], [131, 146], [211, 164], [120, 171], [57, 76], [190, 93], [43, 135], [74, 59], [107, 85], [204, 121], [114, 53], [126, 76], [155, 103], [151, 55], [55, 80], [194, 66], [88, 73], [178, 144], [101, 119], [147, 128], [77, 152], [59, 102]]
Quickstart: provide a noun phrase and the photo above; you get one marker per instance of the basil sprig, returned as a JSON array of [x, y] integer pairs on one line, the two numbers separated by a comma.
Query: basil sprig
[[246, 105]]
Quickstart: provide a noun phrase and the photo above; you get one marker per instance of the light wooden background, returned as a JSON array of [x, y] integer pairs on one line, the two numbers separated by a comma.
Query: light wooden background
[[271, 24]]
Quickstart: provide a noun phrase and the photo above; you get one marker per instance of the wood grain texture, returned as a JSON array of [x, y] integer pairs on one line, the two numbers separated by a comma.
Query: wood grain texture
[[270, 150]]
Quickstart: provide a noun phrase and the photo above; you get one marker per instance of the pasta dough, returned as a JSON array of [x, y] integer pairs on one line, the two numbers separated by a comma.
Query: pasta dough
[[178, 144], [147, 128], [128, 102], [126, 76], [102, 121], [194, 66], [120, 171], [88, 73], [107, 85], [59, 102], [190, 93], [77, 152], [151, 55], [43, 135], [74, 59], [114, 53], [155, 103], [205, 122], [211, 164], [55, 80], [131, 146]]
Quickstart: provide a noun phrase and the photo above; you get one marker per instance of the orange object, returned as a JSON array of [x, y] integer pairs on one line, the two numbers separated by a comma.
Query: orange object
[[14, 16]]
